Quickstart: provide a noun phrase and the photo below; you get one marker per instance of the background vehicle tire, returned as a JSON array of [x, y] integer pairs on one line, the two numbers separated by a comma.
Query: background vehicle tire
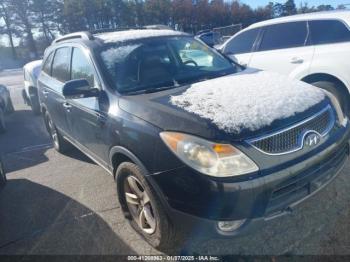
[[335, 90], [10, 107], [59, 143], [34, 104], [3, 178], [2, 120], [161, 234]]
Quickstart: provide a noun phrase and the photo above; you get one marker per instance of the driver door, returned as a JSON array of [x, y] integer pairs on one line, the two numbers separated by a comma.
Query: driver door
[[87, 117]]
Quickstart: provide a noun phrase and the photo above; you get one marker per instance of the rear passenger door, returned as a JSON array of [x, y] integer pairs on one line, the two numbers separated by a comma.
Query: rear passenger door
[[52, 85], [241, 46], [284, 48], [331, 39]]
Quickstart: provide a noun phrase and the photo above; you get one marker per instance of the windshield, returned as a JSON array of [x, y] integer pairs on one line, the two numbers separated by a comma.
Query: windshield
[[153, 64]]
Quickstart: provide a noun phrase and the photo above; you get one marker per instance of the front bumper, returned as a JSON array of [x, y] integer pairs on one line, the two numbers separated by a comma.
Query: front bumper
[[194, 199]]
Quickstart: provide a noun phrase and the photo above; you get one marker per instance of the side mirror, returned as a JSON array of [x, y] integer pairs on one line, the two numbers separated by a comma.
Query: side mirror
[[79, 88]]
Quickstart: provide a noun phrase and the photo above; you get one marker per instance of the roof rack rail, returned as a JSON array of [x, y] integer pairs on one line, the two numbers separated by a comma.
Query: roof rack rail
[[83, 35]]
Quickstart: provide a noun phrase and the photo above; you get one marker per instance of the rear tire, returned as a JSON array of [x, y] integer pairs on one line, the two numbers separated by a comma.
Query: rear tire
[[2, 121], [335, 90], [60, 144], [161, 235]]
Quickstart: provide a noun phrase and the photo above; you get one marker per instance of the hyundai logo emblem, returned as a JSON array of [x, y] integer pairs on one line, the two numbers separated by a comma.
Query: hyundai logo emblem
[[312, 139]]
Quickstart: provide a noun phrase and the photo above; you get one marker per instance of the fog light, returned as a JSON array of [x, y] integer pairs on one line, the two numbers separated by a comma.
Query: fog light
[[229, 226]]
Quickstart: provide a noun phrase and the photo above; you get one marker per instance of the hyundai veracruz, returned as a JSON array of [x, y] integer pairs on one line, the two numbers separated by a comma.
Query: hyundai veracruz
[[192, 139]]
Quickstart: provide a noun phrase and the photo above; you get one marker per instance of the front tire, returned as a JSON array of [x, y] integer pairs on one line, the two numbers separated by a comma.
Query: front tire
[[59, 143], [142, 207], [335, 90]]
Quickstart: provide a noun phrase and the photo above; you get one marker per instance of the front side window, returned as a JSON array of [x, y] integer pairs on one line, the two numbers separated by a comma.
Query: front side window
[[242, 43], [287, 35], [60, 65], [167, 62], [328, 31], [81, 67]]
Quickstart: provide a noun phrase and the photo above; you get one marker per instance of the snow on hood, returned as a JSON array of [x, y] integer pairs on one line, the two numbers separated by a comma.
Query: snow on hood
[[248, 100]]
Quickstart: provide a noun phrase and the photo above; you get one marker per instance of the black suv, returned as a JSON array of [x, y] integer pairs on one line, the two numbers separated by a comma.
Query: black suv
[[193, 140]]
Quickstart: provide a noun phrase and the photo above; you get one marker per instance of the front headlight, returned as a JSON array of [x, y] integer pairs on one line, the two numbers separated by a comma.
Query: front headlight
[[219, 160]]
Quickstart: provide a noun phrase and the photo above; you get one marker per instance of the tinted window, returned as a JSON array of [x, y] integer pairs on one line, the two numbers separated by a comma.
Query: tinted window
[[286, 35], [60, 65], [242, 43], [81, 68], [47, 64], [325, 32]]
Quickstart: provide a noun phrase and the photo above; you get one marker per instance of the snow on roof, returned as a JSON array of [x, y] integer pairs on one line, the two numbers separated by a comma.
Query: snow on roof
[[248, 100], [336, 14], [127, 35]]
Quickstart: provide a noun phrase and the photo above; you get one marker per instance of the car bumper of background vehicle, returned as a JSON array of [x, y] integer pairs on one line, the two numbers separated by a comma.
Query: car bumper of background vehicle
[[201, 202]]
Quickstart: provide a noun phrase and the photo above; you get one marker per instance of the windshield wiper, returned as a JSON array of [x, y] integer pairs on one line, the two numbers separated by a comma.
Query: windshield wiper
[[152, 90]]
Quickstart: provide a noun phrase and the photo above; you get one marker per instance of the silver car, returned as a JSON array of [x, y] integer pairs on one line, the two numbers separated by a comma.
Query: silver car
[[30, 92]]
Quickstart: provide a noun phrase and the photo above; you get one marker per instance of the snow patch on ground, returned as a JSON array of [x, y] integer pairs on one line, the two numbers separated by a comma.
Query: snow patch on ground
[[248, 100], [135, 34]]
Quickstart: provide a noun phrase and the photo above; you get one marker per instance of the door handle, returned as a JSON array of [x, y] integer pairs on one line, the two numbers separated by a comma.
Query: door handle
[[67, 106], [101, 118], [297, 60]]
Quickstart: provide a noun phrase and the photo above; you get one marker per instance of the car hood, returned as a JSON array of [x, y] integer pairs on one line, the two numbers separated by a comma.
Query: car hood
[[169, 109]]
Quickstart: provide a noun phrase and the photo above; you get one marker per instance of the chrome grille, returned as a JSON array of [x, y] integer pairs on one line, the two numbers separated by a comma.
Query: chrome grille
[[291, 139]]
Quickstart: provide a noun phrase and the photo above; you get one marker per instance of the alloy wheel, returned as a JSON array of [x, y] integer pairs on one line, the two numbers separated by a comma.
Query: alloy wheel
[[139, 205]]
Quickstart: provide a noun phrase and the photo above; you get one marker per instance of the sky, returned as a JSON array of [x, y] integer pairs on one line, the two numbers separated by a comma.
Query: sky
[[256, 3], [335, 3]]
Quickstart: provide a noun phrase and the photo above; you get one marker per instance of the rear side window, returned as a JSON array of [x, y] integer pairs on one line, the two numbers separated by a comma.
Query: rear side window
[[242, 43], [60, 65], [81, 67], [47, 64], [287, 35], [328, 31]]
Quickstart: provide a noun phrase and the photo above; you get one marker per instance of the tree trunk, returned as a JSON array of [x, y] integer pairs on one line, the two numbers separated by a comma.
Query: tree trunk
[[9, 32], [13, 49]]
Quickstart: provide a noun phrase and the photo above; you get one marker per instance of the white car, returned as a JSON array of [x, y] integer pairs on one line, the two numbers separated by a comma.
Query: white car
[[30, 91], [314, 48]]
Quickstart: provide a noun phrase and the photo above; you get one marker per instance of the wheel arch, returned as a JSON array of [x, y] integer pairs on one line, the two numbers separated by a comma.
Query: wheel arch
[[316, 77], [119, 154]]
